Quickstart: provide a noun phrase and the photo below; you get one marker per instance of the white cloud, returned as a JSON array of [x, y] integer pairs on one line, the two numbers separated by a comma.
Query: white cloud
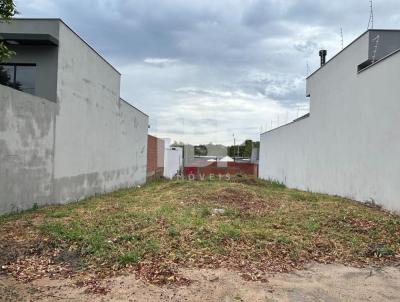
[[160, 62], [201, 116], [203, 69]]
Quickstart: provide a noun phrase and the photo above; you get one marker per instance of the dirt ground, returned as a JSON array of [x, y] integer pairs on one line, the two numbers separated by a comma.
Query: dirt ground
[[317, 283]]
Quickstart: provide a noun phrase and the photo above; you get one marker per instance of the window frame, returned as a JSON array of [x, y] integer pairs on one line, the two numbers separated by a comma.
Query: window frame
[[15, 65]]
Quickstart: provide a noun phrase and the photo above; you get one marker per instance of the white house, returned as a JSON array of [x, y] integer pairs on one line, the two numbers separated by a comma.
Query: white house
[[349, 144]]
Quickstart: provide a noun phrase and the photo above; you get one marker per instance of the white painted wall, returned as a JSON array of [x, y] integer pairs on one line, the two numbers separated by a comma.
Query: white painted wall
[[173, 161], [101, 141], [350, 144]]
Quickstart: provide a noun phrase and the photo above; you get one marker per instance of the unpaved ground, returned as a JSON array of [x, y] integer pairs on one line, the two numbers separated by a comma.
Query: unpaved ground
[[318, 283]]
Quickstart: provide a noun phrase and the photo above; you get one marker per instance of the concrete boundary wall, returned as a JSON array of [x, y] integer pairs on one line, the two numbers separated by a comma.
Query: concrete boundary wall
[[28, 144], [27, 127]]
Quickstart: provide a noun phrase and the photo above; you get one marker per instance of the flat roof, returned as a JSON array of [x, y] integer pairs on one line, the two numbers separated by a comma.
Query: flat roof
[[299, 119], [331, 59], [74, 32], [29, 39]]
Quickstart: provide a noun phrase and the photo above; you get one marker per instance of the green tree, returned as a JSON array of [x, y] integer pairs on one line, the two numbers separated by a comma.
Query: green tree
[[243, 150], [248, 146], [7, 11]]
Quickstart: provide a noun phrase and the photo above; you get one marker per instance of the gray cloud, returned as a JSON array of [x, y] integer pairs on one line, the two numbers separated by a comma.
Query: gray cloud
[[204, 68]]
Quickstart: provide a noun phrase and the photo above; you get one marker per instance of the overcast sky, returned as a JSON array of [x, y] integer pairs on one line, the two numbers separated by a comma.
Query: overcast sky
[[205, 69]]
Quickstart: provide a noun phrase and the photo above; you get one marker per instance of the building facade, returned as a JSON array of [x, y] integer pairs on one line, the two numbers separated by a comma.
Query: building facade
[[349, 144], [65, 133]]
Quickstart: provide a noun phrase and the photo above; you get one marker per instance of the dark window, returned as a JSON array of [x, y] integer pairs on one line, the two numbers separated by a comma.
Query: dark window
[[18, 76]]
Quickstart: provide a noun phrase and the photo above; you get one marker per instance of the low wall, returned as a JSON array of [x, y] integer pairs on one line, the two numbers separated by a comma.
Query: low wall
[[231, 168]]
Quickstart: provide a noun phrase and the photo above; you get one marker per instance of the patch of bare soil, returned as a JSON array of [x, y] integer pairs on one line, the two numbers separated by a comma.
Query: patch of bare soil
[[318, 283], [242, 199]]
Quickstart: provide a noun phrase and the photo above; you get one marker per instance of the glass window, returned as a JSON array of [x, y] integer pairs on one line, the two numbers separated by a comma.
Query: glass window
[[25, 78], [7, 75], [19, 76]]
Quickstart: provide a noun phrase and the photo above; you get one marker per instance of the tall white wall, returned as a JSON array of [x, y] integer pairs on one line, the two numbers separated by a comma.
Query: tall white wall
[[101, 141], [350, 144]]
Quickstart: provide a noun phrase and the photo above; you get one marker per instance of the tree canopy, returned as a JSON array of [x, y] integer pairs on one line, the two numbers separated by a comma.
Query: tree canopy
[[7, 11]]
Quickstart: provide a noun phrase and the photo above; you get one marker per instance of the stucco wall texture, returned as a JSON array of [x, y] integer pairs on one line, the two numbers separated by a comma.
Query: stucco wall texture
[[350, 144], [26, 149], [89, 141]]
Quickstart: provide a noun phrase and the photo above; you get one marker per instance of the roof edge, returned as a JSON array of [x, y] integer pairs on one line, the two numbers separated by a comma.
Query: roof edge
[[380, 60], [367, 31], [126, 102], [331, 59], [75, 33], [300, 119]]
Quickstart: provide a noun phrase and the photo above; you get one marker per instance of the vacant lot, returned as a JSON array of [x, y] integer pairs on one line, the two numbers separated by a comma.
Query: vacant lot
[[248, 227]]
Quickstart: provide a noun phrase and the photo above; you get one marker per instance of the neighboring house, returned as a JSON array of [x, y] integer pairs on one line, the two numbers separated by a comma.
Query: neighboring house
[[155, 157], [66, 134], [349, 145]]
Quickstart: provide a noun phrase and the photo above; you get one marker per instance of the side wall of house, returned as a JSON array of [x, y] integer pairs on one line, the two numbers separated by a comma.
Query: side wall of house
[[26, 149], [350, 144], [101, 141], [155, 157]]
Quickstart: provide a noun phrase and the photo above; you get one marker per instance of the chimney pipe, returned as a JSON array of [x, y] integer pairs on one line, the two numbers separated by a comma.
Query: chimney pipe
[[322, 54]]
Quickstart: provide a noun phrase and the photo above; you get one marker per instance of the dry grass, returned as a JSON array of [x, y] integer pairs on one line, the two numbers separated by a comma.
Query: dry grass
[[260, 227]]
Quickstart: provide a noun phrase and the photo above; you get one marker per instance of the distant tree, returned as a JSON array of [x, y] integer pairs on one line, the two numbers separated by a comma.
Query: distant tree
[[248, 146], [7, 11], [243, 150], [177, 144]]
